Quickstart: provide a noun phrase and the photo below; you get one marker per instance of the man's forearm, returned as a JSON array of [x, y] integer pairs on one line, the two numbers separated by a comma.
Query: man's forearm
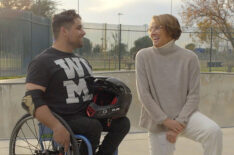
[[44, 115], [60, 133]]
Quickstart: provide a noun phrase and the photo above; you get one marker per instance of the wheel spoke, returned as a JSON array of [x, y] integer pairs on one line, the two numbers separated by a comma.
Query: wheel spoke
[[28, 137], [35, 132], [29, 144]]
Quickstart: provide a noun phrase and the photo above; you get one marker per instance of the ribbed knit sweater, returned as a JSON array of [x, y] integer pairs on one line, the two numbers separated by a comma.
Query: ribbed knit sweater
[[168, 83]]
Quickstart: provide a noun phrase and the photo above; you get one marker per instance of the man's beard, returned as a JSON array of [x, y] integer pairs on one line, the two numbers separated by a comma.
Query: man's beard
[[76, 45]]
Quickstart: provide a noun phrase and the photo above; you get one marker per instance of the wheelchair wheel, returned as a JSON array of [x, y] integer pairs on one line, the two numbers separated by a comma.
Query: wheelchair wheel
[[27, 138]]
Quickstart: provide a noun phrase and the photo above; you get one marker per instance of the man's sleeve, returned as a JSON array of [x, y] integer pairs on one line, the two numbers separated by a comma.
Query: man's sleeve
[[38, 73], [193, 97], [151, 105]]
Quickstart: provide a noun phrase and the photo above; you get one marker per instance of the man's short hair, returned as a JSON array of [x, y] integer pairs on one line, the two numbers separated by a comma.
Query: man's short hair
[[169, 23], [65, 18]]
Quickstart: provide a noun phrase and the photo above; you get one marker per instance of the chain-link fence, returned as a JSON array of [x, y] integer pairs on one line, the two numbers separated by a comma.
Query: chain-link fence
[[111, 45], [22, 36], [215, 51], [106, 46]]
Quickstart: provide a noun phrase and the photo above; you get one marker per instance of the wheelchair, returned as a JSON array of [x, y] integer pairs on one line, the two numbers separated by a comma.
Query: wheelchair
[[29, 136]]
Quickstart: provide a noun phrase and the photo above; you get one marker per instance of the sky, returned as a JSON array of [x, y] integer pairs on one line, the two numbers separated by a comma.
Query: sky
[[134, 12]]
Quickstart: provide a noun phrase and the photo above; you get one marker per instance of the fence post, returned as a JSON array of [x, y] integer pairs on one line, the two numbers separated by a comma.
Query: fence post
[[119, 46], [211, 46], [31, 35], [1, 44]]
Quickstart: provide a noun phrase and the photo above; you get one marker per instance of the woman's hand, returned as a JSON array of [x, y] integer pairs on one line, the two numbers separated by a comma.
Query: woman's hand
[[173, 125], [171, 136]]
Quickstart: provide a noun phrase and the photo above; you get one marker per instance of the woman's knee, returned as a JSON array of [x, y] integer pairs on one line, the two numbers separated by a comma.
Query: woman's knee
[[214, 131]]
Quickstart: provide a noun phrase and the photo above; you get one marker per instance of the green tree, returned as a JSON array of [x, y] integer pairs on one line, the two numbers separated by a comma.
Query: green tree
[[97, 49], [140, 43], [190, 46], [115, 46], [213, 13], [45, 8], [123, 49], [218, 14], [16, 4]]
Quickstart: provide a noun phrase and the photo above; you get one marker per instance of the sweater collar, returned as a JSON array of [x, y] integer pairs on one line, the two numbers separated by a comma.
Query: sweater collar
[[166, 49]]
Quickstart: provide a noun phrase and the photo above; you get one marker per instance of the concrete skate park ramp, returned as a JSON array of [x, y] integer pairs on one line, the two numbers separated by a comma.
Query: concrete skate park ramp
[[217, 100]]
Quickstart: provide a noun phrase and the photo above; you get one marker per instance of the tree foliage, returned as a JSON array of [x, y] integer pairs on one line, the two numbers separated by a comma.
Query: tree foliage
[[97, 49], [190, 46], [45, 8], [205, 14], [140, 43], [16, 4], [115, 49]]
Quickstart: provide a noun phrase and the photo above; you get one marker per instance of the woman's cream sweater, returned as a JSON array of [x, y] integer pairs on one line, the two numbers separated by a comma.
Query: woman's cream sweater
[[168, 81]]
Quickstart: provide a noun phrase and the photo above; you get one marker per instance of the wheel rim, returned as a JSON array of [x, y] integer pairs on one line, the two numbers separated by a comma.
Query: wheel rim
[[28, 140]]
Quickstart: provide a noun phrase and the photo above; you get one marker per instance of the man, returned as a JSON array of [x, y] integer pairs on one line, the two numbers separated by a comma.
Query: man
[[168, 80], [56, 81]]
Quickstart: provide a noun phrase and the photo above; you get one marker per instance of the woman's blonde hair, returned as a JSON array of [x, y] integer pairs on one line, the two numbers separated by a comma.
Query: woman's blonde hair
[[169, 23]]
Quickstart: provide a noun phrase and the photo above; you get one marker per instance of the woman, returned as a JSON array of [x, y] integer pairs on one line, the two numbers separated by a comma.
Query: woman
[[168, 85]]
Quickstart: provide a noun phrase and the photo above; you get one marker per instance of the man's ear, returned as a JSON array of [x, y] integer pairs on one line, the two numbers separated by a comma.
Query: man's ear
[[63, 31]]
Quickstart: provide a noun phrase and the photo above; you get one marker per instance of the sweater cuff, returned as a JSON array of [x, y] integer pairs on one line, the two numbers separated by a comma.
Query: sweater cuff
[[182, 121], [160, 122]]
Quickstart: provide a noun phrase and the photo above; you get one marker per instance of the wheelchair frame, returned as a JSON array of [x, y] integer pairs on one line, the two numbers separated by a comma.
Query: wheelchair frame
[[40, 136]]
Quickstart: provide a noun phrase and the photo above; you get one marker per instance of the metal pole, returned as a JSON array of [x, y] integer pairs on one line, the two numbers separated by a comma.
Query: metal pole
[[119, 14], [211, 46], [1, 51], [39, 6], [119, 46], [171, 7], [105, 36], [78, 7], [31, 35]]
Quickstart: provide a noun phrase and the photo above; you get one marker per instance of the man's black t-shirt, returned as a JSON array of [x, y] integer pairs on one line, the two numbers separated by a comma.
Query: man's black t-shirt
[[63, 75]]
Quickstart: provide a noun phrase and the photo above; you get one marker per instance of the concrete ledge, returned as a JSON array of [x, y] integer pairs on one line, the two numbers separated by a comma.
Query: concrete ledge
[[217, 99]]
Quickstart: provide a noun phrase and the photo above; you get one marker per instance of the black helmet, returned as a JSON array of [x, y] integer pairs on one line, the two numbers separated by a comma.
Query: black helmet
[[111, 98]]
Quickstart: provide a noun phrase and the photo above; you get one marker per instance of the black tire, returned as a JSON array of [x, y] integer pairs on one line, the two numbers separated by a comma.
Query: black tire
[[25, 138]]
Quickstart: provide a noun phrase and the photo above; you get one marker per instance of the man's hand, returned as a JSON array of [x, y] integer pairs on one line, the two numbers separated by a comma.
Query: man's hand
[[61, 136], [173, 125], [44, 115], [171, 136]]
